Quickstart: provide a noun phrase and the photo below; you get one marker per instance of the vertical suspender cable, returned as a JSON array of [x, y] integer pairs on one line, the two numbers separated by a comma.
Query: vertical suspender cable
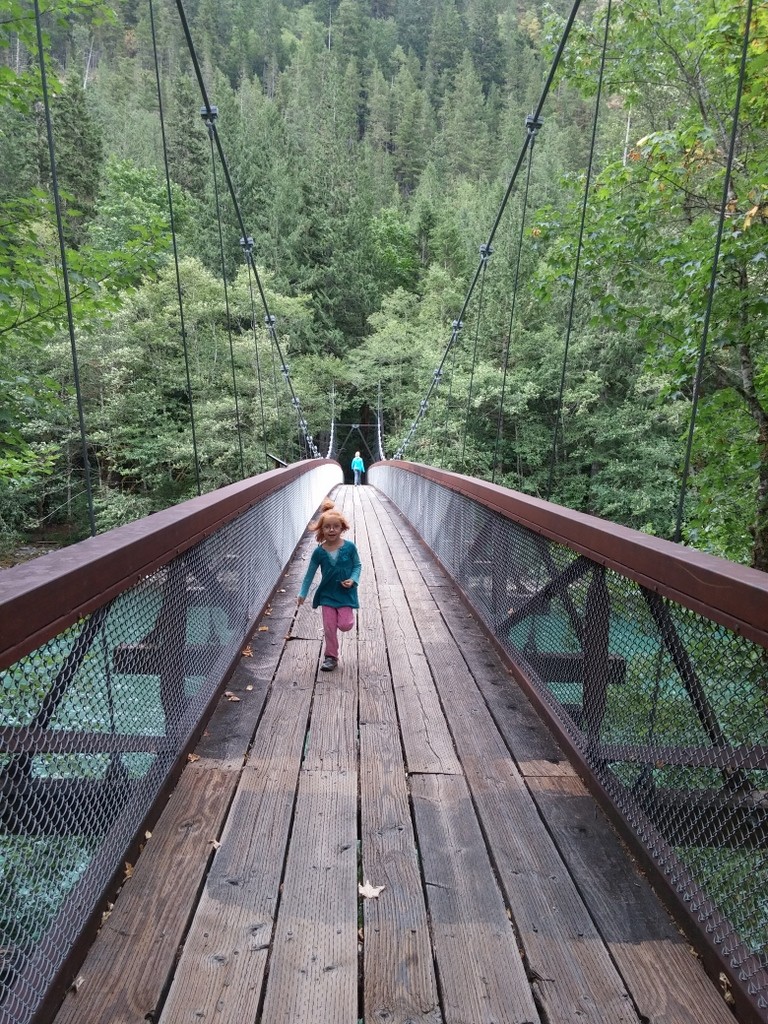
[[208, 117], [64, 268], [247, 246], [579, 249], [713, 277], [485, 254], [533, 127], [172, 219]]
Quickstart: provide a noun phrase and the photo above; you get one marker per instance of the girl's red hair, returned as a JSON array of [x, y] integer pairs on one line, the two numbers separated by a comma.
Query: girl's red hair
[[327, 511]]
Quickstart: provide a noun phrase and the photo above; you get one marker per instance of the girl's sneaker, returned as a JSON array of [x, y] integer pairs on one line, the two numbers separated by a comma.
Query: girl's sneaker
[[328, 665]]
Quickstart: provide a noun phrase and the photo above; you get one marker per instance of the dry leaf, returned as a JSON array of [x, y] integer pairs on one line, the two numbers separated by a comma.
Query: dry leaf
[[230, 696], [249, 687], [147, 835], [128, 870], [268, 611], [193, 757], [369, 891], [247, 652], [78, 982], [263, 629], [215, 843]]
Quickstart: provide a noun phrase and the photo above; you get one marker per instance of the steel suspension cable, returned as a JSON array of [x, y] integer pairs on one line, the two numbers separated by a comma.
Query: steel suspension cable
[[424, 404], [713, 276], [380, 426], [247, 247], [296, 403], [456, 328], [172, 220], [533, 129], [64, 268], [579, 249], [204, 115], [485, 254]]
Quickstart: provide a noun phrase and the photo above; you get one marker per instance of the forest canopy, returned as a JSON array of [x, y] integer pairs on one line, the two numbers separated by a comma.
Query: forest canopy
[[370, 145]]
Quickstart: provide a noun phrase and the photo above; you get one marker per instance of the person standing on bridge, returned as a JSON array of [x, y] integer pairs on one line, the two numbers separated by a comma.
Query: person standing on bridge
[[358, 468], [339, 564]]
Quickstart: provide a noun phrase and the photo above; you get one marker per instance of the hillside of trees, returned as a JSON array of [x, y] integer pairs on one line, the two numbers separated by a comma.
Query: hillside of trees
[[370, 144]]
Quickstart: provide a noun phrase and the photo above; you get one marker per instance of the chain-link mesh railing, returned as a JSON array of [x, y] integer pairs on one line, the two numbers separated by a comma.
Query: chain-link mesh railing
[[666, 708], [94, 719]]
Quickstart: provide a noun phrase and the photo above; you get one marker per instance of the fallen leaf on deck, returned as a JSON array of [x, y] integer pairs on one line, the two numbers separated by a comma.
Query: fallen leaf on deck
[[230, 696], [128, 870], [78, 982], [263, 629], [247, 652], [370, 891], [249, 687], [147, 835], [215, 844], [193, 757]]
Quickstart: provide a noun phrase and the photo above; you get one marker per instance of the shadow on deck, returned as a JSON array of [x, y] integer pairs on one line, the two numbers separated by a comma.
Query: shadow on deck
[[419, 768]]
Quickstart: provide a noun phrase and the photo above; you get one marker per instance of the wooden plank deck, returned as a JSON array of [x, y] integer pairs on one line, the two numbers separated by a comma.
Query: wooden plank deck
[[417, 766]]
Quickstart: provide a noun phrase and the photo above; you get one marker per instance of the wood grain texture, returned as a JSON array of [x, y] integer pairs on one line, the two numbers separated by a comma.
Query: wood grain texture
[[669, 985], [482, 978], [221, 968]]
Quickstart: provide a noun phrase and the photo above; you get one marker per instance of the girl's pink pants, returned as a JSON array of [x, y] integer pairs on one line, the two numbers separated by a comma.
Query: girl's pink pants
[[333, 620]]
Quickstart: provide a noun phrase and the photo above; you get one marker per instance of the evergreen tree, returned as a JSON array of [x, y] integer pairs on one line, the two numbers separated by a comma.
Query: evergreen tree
[[485, 42], [79, 158]]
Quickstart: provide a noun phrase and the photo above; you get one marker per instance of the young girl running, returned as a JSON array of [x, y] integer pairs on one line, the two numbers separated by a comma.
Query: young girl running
[[340, 568]]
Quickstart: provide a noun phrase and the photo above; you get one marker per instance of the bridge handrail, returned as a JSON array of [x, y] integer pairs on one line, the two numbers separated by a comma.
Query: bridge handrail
[[733, 595], [649, 662], [112, 654], [42, 597]]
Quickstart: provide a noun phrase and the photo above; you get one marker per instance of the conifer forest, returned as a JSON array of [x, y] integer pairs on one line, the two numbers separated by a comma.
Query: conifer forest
[[614, 358]]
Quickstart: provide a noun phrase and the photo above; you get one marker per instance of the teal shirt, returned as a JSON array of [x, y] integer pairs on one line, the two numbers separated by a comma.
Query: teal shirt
[[346, 566], [357, 463]]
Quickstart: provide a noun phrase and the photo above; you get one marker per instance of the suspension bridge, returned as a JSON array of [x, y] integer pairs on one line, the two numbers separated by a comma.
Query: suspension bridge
[[534, 790]]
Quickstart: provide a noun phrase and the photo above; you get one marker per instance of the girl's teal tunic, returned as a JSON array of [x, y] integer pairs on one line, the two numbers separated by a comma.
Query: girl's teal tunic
[[346, 566]]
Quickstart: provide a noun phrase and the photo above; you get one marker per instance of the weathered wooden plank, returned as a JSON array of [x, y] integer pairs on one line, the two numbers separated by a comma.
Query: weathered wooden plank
[[532, 745], [482, 977], [668, 983], [399, 985], [221, 968], [128, 967], [399, 982], [313, 977], [427, 741], [313, 972]]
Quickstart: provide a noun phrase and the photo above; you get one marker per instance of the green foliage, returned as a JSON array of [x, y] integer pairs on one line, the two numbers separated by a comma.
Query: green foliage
[[370, 153]]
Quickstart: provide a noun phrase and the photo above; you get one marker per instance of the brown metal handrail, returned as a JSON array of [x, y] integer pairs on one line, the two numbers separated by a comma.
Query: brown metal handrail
[[647, 661], [40, 598], [732, 595]]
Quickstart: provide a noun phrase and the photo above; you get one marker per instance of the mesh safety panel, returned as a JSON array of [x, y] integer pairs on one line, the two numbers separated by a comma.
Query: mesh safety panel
[[667, 709], [93, 721]]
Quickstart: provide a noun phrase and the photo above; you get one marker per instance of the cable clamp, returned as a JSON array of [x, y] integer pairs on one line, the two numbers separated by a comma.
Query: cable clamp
[[486, 251], [533, 123]]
